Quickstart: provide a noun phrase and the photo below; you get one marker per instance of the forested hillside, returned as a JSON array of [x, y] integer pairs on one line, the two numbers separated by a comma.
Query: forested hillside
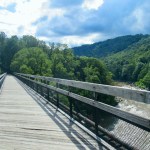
[[108, 47], [32, 56], [132, 64], [127, 57]]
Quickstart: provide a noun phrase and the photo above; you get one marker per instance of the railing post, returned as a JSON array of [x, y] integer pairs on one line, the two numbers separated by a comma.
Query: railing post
[[37, 86], [47, 91], [57, 85], [70, 104], [41, 89], [95, 114], [32, 84], [28, 81]]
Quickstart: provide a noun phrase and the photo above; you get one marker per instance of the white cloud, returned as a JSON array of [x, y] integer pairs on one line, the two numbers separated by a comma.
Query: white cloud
[[78, 40], [26, 13], [138, 20], [138, 16], [5, 3], [77, 21], [92, 4]]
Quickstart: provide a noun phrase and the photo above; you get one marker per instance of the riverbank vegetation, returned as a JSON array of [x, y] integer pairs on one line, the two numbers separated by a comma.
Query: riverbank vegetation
[[133, 64], [127, 57], [32, 56]]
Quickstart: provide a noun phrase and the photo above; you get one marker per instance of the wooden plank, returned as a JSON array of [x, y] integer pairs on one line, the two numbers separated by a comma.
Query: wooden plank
[[126, 129], [24, 125], [44, 102], [131, 94]]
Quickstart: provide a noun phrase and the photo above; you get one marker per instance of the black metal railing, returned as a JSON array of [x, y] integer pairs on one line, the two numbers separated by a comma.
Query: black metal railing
[[2, 77], [107, 122]]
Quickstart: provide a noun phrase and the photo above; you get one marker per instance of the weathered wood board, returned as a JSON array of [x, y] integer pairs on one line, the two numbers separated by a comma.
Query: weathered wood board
[[24, 125]]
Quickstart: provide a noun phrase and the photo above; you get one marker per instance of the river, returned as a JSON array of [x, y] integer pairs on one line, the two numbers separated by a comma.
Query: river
[[132, 135], [135, 107]]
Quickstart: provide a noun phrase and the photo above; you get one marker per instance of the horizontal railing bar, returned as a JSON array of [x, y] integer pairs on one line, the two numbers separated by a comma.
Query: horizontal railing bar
[[101, 129], [130, 94], [115, 111], [2, 75], [128, 117]]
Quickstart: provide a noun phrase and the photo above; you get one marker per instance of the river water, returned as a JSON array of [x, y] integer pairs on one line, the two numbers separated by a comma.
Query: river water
[[132, 135], [138, 108]]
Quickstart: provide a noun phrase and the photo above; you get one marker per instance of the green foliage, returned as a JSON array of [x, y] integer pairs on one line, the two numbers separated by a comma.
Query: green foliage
[[31, 56], [63, 64], [25, 69], [94, 70], [108, 47], [127, 57], [145, 82], [30, 41], [8, 52], [132, 64], [31, 60]]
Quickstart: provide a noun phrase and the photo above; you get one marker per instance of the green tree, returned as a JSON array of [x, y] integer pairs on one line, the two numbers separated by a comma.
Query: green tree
[[133, 63], [63, 64], [11, 47], [30, 41], [94, 70], [31, 60], [146, 80]]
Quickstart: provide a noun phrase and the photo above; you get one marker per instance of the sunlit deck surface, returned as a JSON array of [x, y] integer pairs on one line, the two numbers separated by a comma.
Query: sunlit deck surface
[[25, 124]]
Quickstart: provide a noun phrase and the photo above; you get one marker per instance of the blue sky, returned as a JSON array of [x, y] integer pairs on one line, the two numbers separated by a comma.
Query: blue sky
[[74, 22]]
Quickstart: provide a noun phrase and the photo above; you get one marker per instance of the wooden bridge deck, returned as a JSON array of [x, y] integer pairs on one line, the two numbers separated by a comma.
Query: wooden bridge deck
[[24, 125]]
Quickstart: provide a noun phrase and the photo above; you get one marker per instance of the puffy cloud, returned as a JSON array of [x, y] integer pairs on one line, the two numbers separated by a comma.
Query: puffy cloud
[[139, 19], [24, 15], [74, 22], [4, 3], [110, 18], [11, 7], [79, 40], [94, 4]]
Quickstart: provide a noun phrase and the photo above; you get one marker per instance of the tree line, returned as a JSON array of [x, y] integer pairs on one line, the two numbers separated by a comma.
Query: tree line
[[32, 56], [127, 57], [108, 47], [133, 64]]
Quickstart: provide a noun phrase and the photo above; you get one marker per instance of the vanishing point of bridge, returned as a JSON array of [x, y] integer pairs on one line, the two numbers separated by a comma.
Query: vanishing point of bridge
[[34, 116]]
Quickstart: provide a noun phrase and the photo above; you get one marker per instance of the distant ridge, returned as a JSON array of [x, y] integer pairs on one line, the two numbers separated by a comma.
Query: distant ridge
[[108, 47], [132, 64]]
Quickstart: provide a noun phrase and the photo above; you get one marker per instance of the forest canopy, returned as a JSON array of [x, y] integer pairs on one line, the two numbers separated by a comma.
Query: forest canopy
[[30, 55], [132, 64], [127, 60], [127, 57], [31, 61]]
